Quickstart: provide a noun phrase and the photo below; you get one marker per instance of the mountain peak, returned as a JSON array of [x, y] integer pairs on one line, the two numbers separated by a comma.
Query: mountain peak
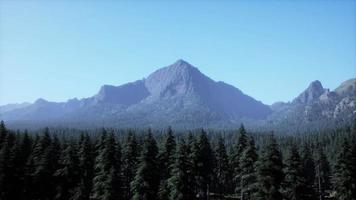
[[181, 62], [314, 91], [40, 101], [175, 78], [316, 85], [181, 65]]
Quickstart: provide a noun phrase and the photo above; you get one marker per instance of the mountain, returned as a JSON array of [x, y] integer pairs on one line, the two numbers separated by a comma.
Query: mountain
[[181, 96], [14, 106], [312, 93], [316, 108], [178, 95]]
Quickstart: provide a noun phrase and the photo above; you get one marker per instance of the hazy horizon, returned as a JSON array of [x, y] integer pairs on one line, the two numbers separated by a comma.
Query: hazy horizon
[[270, 50]]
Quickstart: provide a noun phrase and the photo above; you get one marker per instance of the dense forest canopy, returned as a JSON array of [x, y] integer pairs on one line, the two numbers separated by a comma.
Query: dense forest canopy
[[107, 164]]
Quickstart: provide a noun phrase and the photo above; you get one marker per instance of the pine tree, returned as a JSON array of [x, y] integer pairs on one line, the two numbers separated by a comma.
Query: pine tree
[[131, 153], [146, 182], [3, 133], [166, 161], [191, 143], [294, 183], [270, 172], [68, 173], [7, 168], [248, 171], [344, 181], [179, 184], [107, 180], [20, 153], [237, 151], [45, 162], [353, 153], [221, 170], [309, 173], [203, 161], [323, 174], [86, 167]]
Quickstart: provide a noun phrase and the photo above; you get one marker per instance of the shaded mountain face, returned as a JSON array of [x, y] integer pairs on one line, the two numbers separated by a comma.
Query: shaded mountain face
[[128, 94], [177, 95]]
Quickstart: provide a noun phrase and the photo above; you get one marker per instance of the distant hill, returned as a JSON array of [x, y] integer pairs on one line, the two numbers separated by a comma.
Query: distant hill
[[181, 96]]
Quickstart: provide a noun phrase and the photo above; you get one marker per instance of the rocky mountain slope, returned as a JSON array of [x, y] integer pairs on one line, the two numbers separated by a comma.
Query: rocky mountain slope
[[316, 107], [178, 95], [181, 96]]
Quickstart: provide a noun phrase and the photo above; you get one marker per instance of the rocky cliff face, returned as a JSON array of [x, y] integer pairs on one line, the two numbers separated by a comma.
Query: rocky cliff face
[[317, 105], [311, 94]]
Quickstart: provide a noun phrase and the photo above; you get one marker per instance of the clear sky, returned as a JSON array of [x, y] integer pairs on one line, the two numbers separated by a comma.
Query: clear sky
[[271, 50]]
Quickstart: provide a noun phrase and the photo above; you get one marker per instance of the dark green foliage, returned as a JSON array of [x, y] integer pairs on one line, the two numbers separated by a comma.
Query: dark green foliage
[[270, 172], [86, 170], [203, 159], [86, 165], [45, 162], [191, 143], [180, 182], [21, 152], [7, 168], [345, 184], [131, 153], [237, 151], [309, 173], [166, 155], [248, 176], [166, 160], [3, 133], [107, 179], [323, 174], [146, 182], [68, 174], [294, 183], [222, 169]]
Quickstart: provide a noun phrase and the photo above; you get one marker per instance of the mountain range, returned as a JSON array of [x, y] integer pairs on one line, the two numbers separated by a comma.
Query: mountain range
[[181, 96]]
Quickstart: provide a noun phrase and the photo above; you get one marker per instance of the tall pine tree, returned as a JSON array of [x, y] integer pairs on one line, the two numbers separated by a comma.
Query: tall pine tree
[[222, 168], [166, 161], [179, 183], [294, 185], [248, 174], [7, 168], [3, 133], [45, 162], [146, 182], [68, 173], [323, 174], [309, 173], [131, 153], [344, 181], [204, 163], [107, 179], [270, 172], [237, 151], [86, 167]]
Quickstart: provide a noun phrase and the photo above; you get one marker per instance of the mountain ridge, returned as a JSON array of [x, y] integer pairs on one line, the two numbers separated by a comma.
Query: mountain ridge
[[179, 94]]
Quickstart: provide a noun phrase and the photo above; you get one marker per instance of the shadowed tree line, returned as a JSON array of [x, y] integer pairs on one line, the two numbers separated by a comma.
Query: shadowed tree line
[[198, 165]]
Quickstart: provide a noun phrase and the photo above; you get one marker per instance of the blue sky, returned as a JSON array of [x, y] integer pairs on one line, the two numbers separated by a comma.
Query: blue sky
[[271, 50]]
